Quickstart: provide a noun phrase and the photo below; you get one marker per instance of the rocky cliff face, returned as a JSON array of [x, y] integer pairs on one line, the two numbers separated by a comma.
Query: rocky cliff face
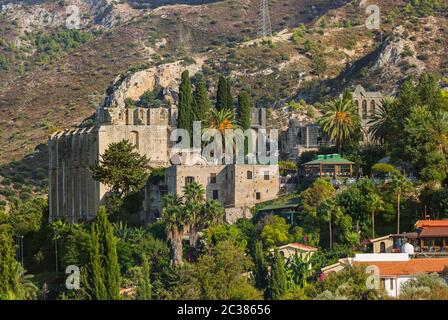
[[398, 49], [135, 85], [50, 15]]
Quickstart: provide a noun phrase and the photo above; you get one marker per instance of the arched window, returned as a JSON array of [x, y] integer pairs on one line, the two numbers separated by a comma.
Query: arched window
[[249, 174], [372, 108], [364, 109], [134, 138]]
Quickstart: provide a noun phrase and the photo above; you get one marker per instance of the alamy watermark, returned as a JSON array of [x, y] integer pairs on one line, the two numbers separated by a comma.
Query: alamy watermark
[[72, 282], [373, 280]]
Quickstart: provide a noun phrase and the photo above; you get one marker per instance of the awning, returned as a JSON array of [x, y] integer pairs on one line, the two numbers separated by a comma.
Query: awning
[[434, 232]]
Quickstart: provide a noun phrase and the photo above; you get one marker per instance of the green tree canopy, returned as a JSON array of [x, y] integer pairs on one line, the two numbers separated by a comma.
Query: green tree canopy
[[278, 284], [224, 100], [103, 278], [276, 233], [220, 273], [340, 120], [122, 168], [185, 109], [201, 102], [244, 110], [9, 267]]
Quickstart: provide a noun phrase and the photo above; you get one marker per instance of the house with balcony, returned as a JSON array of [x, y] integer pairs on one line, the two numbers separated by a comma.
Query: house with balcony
[[429, 238]]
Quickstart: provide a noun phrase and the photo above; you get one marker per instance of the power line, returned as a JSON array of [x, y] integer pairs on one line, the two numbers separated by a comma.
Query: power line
[[265, 29]]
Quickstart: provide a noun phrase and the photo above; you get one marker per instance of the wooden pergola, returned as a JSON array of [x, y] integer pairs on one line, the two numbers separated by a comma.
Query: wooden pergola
[[330, 165]]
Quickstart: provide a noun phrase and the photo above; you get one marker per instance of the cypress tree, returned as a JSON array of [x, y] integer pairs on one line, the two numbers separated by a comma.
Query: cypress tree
[[244, 110], [144, 283], [185, 115], [260, 267], [201, 101], [277, 280], [9, 267], [221, 99], [103, 281], [228, 95], [96, 289]]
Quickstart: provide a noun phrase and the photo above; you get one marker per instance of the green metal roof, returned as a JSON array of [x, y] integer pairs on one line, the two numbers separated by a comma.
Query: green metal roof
[[329, 159], [291, 203]]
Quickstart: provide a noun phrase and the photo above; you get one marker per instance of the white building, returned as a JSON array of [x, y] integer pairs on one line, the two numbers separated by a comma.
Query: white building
[[395, 269]]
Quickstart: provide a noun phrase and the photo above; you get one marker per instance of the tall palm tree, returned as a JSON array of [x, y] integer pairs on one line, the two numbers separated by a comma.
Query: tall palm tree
[[340, 120], [328, 209], [194, 199], [399, 185], [174, 218], [213, 212], [382, 121], [221, 120], [374, 203]]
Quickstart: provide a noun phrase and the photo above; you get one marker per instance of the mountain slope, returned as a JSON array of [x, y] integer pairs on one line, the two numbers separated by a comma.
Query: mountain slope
[[331, 50]]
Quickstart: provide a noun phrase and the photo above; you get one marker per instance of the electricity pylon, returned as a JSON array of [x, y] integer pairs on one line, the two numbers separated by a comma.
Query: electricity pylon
[[265, 29]]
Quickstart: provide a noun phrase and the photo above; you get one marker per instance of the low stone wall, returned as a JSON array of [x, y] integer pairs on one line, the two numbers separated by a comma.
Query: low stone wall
[[233, 214]]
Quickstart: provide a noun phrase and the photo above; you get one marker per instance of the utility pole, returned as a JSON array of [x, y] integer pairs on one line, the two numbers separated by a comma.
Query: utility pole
[[21, 250], [264, 29]]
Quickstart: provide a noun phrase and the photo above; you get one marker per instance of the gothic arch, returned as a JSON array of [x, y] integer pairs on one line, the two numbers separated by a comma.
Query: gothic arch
[[372, 108], [364, 109]]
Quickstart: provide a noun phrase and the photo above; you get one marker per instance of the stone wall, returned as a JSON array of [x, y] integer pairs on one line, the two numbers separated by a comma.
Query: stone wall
[[73, 194], [176, 179], [233, 214], [254, 184], [136, 116], [301, 137]]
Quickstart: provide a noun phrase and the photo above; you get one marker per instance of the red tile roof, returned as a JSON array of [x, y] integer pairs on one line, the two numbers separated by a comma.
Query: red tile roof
[[431, 223], [410, 267]]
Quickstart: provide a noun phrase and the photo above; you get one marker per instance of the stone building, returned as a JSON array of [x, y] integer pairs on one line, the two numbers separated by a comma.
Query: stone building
[[258, 118], [367, 104], [301, 137], [73, 194], [237, 186]]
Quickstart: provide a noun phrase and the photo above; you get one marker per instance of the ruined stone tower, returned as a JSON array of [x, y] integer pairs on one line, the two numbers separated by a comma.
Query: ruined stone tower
[[73, 194]]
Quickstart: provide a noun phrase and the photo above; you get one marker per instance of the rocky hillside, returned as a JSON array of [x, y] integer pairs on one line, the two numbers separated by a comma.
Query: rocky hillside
[[52, 77]]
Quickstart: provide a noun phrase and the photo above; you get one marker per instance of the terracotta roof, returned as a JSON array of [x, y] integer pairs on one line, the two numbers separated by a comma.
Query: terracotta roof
[[431, 223], [434, 232], [411, 267], [302, 246]]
